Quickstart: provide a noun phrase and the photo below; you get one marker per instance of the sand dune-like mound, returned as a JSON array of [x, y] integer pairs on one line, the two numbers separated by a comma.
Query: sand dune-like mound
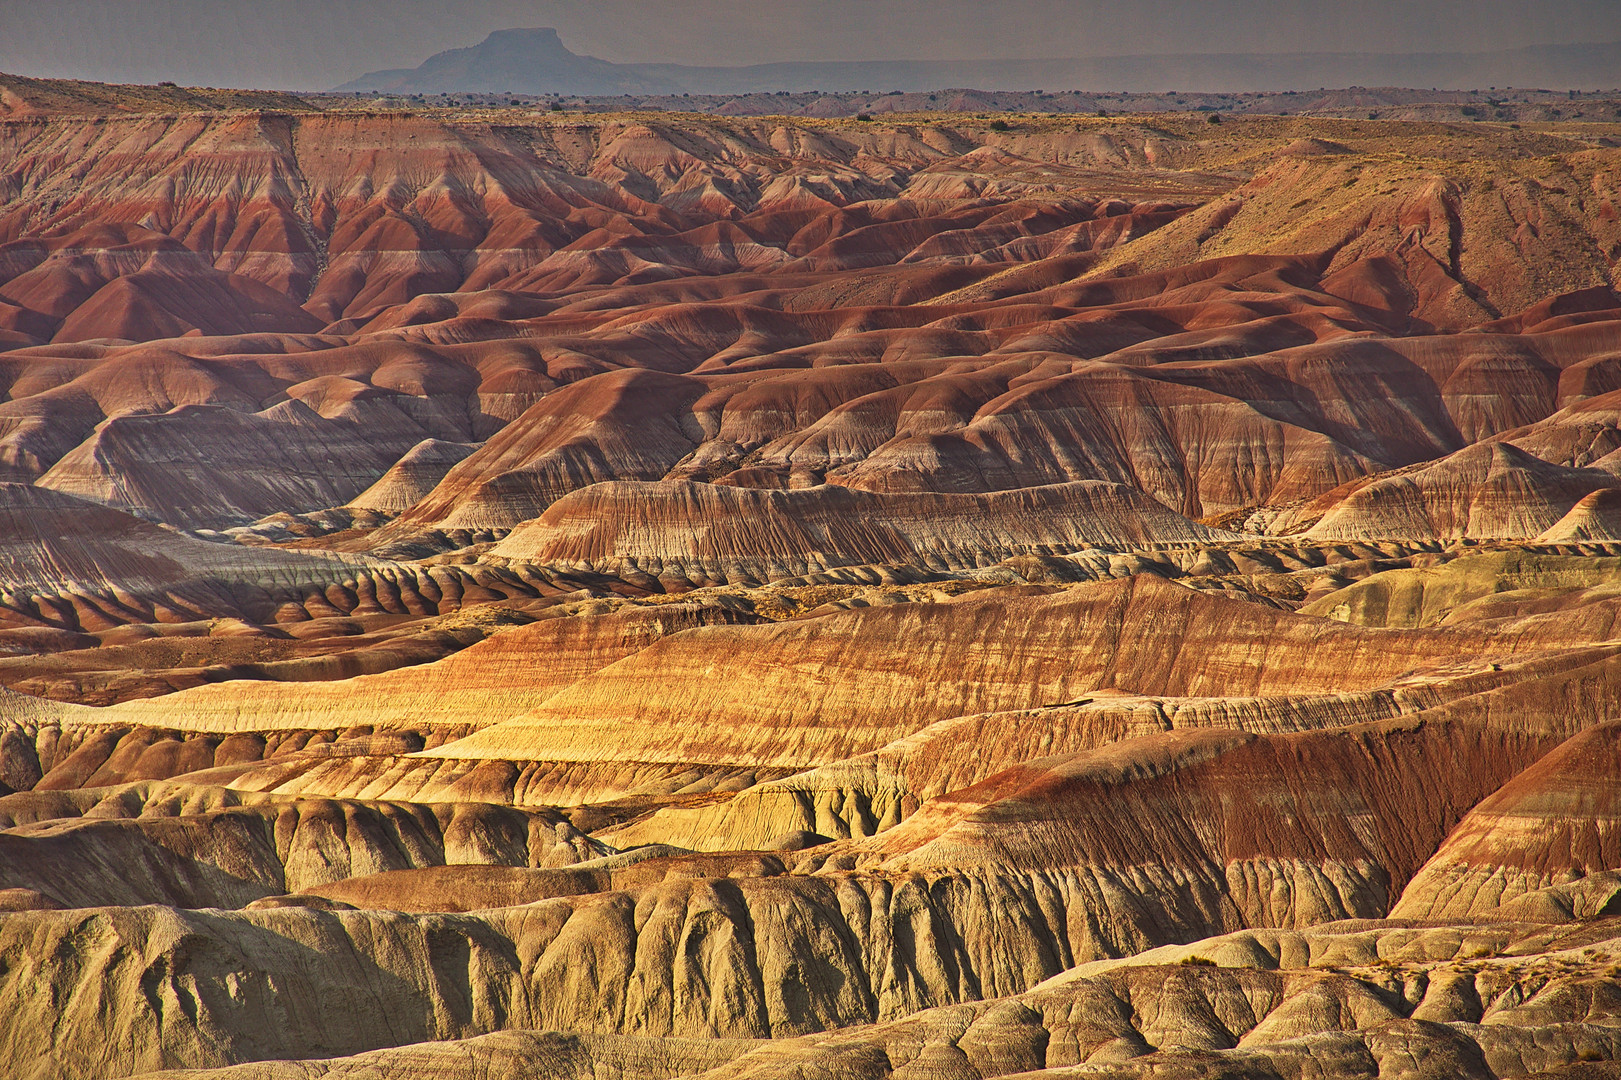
[[118, 280], [412, 476], [761, 534], [1595, 516], [1487, 491]]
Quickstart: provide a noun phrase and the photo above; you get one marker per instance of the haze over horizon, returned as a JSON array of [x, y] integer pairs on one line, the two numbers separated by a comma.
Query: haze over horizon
[[301, 44]]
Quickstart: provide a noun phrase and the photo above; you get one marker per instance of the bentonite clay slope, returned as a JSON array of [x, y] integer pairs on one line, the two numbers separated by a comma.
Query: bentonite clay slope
[[52, 543], [1298, 828], [743, 534], [1488, 491], [1526, 850], [908, 597], [483, 206], [465, 271], [1595, 516], [412, 476], [616, 962], [498, 678], [808, 692]]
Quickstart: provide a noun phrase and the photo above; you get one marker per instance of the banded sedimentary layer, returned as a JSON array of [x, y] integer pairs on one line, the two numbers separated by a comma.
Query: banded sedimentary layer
[[648, 595]]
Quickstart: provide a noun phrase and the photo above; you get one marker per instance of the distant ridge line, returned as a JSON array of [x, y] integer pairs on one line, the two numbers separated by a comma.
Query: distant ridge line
[[535, 61]]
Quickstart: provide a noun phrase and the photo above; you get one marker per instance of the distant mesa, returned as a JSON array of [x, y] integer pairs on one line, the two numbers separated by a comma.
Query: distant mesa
[[533, 61]]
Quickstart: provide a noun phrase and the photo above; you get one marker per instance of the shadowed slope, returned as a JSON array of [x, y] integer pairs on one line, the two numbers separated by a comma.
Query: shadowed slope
[[1555, 824], [54, 543]]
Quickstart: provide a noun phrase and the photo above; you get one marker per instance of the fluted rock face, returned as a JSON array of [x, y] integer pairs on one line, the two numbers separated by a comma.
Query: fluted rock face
[[213, 857], [1389, 989], [489, 593]]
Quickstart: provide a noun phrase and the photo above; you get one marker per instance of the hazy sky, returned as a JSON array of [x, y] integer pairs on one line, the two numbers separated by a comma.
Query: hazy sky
[[315, 44]]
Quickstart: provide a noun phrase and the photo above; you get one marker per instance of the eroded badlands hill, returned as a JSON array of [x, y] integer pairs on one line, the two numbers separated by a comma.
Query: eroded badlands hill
[[488, 593]]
